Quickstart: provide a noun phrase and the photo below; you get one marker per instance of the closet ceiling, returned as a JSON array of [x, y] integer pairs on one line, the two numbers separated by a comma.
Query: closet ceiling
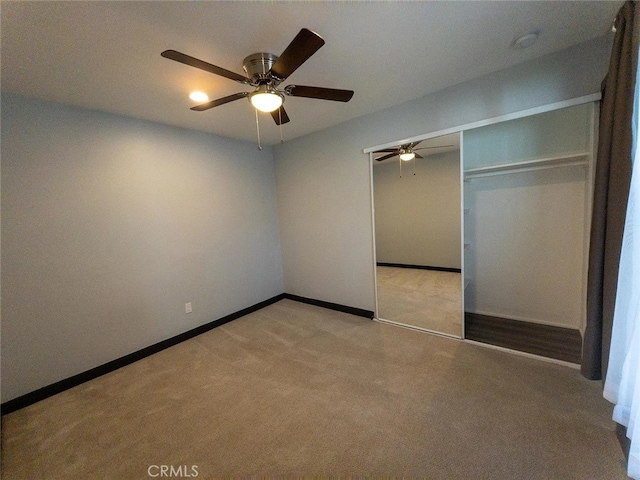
[[106, 55]]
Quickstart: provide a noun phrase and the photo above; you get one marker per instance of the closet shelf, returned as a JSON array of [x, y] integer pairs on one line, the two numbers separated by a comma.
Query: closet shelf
[[571, 159]]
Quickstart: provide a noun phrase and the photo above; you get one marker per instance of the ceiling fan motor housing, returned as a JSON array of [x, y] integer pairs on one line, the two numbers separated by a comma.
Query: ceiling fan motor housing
[[258, 65]]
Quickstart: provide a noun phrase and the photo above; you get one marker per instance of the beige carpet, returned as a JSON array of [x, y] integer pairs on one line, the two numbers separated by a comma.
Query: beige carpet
[[421, 298], [299, 390]]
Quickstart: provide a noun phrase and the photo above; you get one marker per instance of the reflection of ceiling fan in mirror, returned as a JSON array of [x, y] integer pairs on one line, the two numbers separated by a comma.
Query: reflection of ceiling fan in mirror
[[266, 71], [406, 152]]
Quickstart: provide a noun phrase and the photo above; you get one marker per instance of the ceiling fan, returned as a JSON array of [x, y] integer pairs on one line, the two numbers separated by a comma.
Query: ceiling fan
[[266, 72], [406, 151]]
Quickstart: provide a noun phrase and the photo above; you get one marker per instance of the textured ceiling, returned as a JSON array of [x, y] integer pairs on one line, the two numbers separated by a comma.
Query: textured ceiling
[[106, 55]]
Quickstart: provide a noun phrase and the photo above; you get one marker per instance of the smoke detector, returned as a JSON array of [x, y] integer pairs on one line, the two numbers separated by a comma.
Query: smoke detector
[[526, 40]]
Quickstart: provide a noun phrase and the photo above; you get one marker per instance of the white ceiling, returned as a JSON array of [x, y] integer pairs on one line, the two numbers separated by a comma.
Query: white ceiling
[[106, 55]]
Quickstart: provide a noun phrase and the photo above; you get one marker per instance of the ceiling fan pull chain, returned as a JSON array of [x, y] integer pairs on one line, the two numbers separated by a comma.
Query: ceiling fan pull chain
[[400, 163], [414, 166], [258, 129], [280, 122]]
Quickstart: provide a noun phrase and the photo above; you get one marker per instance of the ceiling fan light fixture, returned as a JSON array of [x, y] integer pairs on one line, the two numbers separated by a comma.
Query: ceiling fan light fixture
[[406, 155], [266, 99], [199, 97]]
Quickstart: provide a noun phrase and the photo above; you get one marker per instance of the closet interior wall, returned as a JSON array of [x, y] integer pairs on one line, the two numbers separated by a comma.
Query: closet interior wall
[[527, 192]]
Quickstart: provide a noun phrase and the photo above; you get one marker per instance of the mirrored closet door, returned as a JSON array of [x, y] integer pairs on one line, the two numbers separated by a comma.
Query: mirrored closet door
[[417, 208]]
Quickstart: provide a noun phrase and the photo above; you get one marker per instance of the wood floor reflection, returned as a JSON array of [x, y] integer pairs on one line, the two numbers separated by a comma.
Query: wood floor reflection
[[421, 298]]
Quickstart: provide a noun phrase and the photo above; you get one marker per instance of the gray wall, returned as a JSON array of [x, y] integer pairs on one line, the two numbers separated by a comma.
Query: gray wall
[[417, 216], [110, 225], [323, 179]]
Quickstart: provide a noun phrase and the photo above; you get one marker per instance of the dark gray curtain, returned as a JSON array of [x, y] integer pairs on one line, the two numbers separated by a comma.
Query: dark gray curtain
[[612, 179]]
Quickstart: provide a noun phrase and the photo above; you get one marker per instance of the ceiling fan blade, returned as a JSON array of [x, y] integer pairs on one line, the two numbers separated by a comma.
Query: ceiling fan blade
[[219, 101], [386, 156], [415, 144], [280, 116], [207, 67], [438, 146], [305, 44], [387, 150], [418, 156], [319, 92]]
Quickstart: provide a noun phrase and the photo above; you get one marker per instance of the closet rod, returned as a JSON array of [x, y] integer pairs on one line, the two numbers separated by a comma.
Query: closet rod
[[528, 166]]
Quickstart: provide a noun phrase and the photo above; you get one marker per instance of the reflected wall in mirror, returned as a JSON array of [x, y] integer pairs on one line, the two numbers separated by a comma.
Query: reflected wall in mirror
[[418, 235]]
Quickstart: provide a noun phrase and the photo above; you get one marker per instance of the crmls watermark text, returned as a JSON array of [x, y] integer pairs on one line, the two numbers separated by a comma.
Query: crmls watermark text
[[181, 471]]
